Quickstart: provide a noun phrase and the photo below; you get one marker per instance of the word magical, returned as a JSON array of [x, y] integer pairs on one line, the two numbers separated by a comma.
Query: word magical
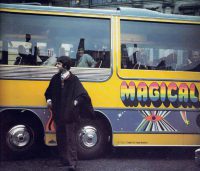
[[156, 94]]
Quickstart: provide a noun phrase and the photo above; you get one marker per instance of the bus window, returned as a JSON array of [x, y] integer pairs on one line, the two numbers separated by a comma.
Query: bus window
[[61, 36], [158, 46]]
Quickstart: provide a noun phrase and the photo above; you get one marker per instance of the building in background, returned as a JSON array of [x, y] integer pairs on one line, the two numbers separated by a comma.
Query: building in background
[[184, 7]]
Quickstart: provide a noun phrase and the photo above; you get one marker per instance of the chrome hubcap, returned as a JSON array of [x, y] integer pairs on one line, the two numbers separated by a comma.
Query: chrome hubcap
[[88, 136], [18, 136]]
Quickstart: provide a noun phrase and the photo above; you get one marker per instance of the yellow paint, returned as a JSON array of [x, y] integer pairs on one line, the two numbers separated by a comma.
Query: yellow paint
[[191, 139], [153, 74], [160, 20], [54, 13], [31, 93], [22, 93], [155, 139], [145, 139], [50, 139]]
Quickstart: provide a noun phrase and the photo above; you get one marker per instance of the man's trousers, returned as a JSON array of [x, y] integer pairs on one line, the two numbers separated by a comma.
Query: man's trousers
[[67, 142]]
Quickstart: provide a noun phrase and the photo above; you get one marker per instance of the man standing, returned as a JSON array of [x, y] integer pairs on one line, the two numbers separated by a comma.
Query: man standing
[[67, 99]]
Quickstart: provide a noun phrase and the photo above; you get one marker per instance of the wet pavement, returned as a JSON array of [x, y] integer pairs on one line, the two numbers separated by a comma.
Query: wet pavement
[[119, 159]]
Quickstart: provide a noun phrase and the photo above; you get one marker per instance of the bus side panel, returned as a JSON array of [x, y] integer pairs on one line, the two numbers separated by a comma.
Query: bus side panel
[[151, 127]]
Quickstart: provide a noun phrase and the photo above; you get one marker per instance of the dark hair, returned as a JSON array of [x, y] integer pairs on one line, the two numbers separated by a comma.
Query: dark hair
[[66, 61]]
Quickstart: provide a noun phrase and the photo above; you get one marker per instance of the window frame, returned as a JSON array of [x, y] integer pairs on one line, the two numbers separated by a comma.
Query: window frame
[[153, 74]]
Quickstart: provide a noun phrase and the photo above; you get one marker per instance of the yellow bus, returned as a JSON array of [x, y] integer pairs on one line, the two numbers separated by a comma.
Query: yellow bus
[[144, 87]]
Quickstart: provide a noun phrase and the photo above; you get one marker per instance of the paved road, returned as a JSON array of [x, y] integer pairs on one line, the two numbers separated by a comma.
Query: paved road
[[120, 159]]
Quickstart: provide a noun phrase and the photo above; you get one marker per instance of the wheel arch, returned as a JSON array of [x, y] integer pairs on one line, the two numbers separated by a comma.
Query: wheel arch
[[96, 132], [102, 116], [11, 118], [20, 113]]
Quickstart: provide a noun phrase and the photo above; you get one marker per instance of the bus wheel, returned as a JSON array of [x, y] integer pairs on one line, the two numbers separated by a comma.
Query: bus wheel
[[92, 139], [19, 140]]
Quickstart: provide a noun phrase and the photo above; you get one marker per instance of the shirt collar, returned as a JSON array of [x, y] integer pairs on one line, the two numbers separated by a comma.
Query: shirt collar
[[65, 75]]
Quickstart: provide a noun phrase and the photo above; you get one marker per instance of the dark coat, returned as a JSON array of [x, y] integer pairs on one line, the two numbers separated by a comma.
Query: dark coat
[[63, 99]]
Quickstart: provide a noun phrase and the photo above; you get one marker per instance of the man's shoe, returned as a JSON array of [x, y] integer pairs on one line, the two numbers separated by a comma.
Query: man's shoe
[[72, 168]]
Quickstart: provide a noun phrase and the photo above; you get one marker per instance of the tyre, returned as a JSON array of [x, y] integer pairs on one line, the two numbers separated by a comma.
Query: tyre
[[197, 157], [20, 139], [92, 139]]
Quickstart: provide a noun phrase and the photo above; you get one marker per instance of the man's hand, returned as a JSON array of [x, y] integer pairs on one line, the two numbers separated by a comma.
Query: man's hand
[[75, 103], [49, 103]]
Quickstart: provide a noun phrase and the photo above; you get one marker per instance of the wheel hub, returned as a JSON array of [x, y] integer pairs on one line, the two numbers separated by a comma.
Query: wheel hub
[[18, 136], [88, 136]]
